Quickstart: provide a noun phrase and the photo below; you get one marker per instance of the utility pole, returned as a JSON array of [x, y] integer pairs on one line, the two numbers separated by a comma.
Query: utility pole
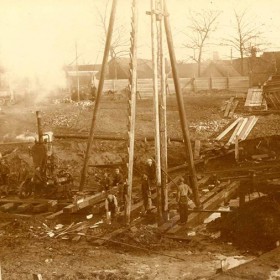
[[182, 111], [162, 112], [77, 72], [99, 93], [132, 105], [156, 112]]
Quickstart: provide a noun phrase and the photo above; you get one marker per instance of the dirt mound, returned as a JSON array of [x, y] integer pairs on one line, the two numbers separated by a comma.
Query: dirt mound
[[254, 226]]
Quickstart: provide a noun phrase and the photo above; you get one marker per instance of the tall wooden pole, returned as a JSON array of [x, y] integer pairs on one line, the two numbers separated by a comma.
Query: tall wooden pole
[[99, 93], [181, 106], [39, 126], [162, 113], [156, 111], [132, 102], [77, 73]]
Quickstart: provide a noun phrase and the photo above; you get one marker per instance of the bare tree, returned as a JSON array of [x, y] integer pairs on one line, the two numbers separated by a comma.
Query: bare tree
[[120, 41], [202, 24], [246, 39]]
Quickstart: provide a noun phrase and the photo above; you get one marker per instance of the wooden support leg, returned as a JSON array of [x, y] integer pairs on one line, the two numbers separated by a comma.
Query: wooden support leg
[[37, 277]]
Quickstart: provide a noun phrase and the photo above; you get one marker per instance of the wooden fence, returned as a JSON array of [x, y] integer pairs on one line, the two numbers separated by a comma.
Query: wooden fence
[[145, 86]]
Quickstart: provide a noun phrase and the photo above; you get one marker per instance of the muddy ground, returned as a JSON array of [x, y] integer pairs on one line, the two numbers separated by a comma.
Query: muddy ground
[[22, 253]]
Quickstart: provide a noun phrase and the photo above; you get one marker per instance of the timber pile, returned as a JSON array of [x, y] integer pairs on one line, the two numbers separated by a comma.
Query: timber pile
[[271, 91], [243, 127]]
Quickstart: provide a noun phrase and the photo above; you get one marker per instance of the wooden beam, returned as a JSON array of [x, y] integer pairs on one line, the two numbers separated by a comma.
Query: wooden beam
[[237, 130], [162, 116], [132, 112], [228, 106], [7, 207], [249, 128], [234, 106], [24, 207], [42, 207], [99, 93], [54, 215], [156, 110], [181, 107]]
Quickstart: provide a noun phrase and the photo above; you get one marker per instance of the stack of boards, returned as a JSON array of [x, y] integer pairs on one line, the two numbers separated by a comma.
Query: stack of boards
[[243, 127]]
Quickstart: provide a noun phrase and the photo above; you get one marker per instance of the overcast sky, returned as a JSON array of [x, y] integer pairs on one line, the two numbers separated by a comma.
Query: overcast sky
[[38, 36]]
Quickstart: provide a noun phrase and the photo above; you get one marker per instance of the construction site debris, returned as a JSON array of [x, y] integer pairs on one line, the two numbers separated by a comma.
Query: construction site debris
[[243, 127]]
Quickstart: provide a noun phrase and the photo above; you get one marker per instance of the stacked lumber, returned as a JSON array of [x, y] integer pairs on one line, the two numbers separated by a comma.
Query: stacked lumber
[[242, 128], [271, 92]]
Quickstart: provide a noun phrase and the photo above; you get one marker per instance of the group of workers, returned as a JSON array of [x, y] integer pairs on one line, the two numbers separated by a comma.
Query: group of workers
[[147, 185], [111, 202], [120, 193]]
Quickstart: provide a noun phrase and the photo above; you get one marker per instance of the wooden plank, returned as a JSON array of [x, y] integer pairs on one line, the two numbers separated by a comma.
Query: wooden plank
[[228, 129], [202, 182], [242, 133], [234, 106], [249, 129], [42, 207], [88, 201], [19, 201], [228, 106], [238, 130], [24, 207], [7, 207], [235, 131], [54, 215]]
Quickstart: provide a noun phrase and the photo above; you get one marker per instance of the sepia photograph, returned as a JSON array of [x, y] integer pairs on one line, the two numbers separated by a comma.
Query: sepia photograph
[[139, 139]]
